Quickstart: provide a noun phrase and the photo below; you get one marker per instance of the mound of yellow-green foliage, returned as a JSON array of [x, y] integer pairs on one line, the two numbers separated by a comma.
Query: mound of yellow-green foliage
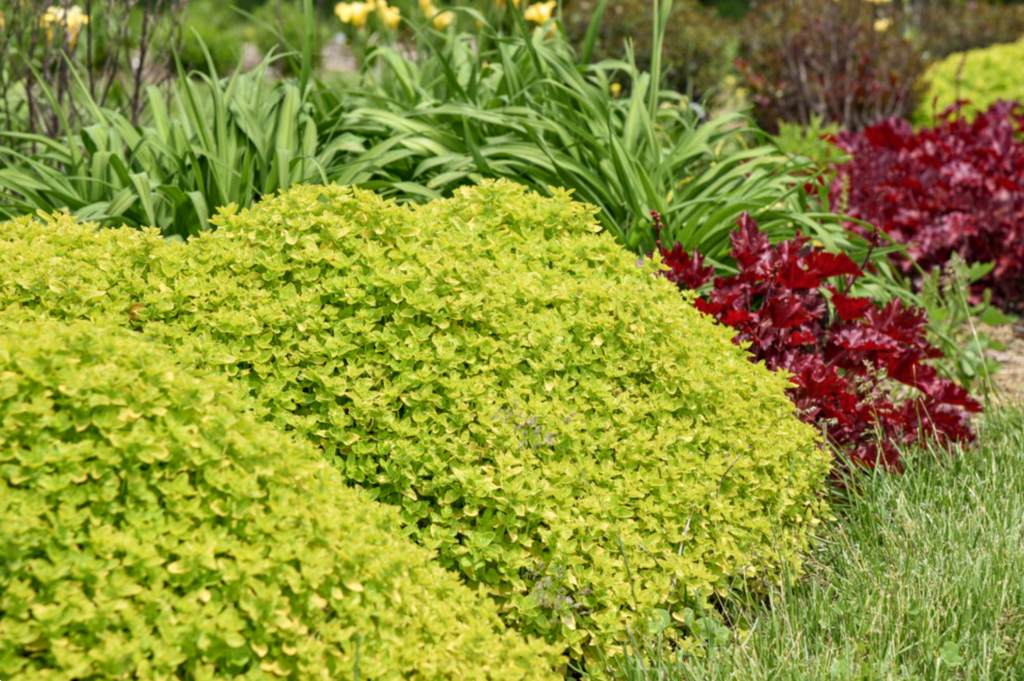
[[981, 77], [153, 529], [563, 428]]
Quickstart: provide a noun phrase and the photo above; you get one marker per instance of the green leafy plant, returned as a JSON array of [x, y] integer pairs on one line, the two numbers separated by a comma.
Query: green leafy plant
[[696, 57], [527, 108], [522, 107], [954, 318], [213, 142], [153, 528], [217, 142], [811, 142], [564, 429]]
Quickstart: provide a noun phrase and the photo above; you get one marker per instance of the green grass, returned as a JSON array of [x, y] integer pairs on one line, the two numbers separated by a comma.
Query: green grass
[[921, 577]]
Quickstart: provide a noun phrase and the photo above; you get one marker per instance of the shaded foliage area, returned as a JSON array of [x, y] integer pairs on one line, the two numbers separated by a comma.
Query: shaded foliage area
[[844, 62]]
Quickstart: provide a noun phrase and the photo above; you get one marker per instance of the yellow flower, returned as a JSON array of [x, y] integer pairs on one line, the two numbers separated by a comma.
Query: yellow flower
[[390, 16], [443, 20], [2, 24], [541, 12], [440, 19], [616, 89], [354, 13], [72, 19], [883, 24]]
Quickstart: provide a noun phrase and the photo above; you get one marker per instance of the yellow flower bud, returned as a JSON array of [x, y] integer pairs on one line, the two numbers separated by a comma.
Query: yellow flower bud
[[439, 19], [389, 16], [354, 13], [540, 13], [72, 19], [443, 20]]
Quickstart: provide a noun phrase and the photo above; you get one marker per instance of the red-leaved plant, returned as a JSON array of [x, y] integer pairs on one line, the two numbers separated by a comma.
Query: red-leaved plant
[[955, 188], [858, 368]]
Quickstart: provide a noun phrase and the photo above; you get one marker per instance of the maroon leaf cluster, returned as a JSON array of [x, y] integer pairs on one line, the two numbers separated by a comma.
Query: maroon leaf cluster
[[954, 188], [858, 368]]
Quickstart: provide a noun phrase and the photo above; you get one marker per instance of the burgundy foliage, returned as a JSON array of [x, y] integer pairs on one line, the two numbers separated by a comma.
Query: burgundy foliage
[[954, 188], [845, 364]]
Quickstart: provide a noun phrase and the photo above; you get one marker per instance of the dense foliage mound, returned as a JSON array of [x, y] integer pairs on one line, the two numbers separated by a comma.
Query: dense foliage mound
[[957, 187], [858, 369], [153, 530], [561, 427], [978, 77]]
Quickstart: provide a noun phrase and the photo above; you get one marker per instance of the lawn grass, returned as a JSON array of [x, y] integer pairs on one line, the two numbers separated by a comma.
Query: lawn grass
[[921, 577]]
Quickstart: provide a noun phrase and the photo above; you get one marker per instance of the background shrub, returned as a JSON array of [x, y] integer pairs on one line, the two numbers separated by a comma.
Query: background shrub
[[46, 46], [540, 408], [979, 77], [218, 28], [954, 188], [696, 57], [845, 62], [944, 29], [153, 529], [281, 28]]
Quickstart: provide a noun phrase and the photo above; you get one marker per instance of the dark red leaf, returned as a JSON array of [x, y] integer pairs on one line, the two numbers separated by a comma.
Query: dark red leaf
[[736, 317], [850, 308], [792, 275], [862, 338], [686, 271], [824, 265]]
